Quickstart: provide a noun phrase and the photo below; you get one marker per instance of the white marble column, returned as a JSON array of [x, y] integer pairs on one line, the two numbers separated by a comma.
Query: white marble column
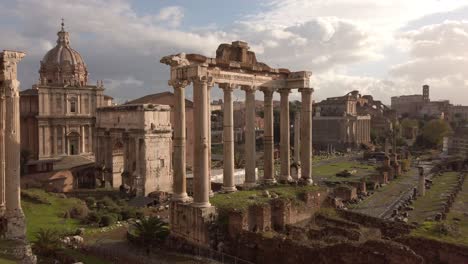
[[201, 192], [228, 139], [268, 138], [250, 176], [285, 175], [306, 135], [180, 185]]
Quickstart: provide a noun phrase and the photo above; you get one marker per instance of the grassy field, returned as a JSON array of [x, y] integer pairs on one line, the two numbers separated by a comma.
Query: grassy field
[[431, 202], [240, 200], [45, 216], [328, 172], [459, 234]]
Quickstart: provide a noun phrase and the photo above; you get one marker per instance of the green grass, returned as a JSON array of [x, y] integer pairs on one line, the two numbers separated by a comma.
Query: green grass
[[6, 260], [328, 172], [240, 200], [432, 201], [48, 216]]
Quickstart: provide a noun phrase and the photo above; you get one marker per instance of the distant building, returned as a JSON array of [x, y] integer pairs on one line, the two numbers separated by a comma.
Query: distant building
[[420, 105], [58, 114], [337, 124]]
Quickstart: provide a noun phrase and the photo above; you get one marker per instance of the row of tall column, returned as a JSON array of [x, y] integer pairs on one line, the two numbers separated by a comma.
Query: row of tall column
[[201, 130], [10, 201]]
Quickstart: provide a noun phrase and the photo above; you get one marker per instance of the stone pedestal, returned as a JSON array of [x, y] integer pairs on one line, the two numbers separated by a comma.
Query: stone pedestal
[[191, 222]]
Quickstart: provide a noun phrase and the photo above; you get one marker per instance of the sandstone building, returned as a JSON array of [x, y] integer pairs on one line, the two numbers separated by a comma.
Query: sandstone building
[[133, 145], [337, 123], [168, 98], [58, 114]]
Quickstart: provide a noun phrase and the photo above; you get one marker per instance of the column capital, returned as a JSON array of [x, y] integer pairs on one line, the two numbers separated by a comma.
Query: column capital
[[306, 90], [267, 91], [178, 84], [227, 87], [202, 79], [284, 91], [248, 88]]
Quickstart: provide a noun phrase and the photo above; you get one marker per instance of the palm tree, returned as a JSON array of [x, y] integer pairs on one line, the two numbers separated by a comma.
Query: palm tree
[[47, 242], [151, 231]]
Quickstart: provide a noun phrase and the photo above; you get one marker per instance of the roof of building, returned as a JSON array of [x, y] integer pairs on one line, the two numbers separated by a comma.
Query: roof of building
[[152, 99], [108, 97], [29, 92]]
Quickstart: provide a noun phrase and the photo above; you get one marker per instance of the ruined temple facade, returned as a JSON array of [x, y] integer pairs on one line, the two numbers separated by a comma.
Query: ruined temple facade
[[133, 146], [58, 114], [13, 225], [338, 124], [235, 67]]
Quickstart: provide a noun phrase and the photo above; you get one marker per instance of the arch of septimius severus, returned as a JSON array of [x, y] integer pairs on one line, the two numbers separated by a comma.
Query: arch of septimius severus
[[234, 67], [13, 226]]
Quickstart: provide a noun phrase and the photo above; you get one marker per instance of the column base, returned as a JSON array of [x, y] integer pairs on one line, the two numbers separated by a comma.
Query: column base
[[228, 189], [181, 197], [200, 204], [249, 185], [286, 179], [16, 225], [306, 181], [269, 181]]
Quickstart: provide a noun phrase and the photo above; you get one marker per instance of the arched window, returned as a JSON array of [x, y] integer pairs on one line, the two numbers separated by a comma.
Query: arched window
[[73, 106]]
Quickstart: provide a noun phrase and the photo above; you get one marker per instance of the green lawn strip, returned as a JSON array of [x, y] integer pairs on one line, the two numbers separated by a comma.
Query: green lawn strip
[[48, 215], [434, 197], [7, 260], [429, 230], [329, 171], [241, 200]]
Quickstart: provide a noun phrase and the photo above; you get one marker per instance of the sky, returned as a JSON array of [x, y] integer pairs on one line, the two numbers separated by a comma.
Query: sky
[[379, 47]]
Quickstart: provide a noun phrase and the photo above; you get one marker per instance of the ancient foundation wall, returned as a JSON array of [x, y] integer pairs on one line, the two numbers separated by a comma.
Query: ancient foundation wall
[[435, 251]]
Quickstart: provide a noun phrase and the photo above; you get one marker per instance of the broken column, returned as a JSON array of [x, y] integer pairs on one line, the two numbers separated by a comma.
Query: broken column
[[422, 182]]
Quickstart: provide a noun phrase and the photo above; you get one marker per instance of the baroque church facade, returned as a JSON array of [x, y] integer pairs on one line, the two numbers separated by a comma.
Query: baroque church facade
[[58, 114]]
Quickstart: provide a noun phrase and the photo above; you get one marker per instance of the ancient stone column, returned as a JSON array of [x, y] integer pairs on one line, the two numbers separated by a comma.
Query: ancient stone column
[[108, 159], [297, 136], [2, 150], [14, 214], [268, 158], [285, 175], [201, 192], [228, 139], [208, 94], [306, 135], [138, 181], [422, 182], [250, 176], [180, 185]]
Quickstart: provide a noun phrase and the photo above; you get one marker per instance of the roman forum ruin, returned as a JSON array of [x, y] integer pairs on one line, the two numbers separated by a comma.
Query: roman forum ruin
[[234, 67], [12, 219]]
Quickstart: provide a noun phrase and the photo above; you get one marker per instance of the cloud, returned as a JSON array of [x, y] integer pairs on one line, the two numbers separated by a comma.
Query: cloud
[[171, 14]]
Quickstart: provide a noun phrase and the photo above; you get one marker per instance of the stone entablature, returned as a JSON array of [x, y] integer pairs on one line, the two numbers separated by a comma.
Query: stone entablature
[[133, 146]]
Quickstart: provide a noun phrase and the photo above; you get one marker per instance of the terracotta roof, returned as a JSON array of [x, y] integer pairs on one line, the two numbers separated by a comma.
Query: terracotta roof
[[152, 99], [108, 97]]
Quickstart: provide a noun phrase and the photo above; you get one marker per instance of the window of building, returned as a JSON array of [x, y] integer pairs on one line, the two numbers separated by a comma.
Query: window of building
[[73, 106]]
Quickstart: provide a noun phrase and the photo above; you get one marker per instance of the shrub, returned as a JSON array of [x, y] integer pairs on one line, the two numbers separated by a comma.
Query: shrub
[[35, 198], [108, 202], [108, 219], [150, 232], [47, 242], [94, 217], [79, 211], [90, 201], [129, 212]]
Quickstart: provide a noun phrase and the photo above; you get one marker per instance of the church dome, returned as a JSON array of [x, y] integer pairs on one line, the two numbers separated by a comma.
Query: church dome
[[63, 65]]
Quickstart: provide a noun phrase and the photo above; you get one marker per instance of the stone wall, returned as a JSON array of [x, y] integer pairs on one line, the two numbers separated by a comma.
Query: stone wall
[[435, 251], [260, 249]]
